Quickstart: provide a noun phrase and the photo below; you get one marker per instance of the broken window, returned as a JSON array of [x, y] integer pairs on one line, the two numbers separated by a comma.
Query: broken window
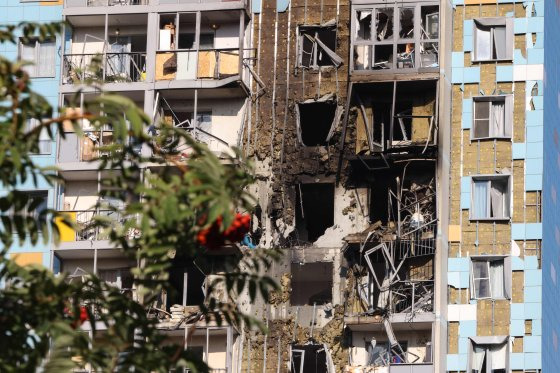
[[488, 355], [493, 117], [314, 210], [311, 283], [195, 281], [491, 277], [317, 45], [316, 121], [493, 39], [491, 197], [417, 28], [311, 358], [120, 278]]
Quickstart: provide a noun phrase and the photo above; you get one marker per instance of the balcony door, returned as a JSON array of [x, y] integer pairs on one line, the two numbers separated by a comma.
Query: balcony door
[[118, 61]]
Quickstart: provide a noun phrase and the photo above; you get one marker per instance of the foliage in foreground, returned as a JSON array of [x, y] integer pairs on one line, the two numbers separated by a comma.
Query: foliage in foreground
[[171, 187]]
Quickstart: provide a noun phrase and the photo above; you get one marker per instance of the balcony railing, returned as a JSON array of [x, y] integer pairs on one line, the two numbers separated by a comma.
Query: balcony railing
[[203, 64], [93, 3], [86, 231], [106, 67]]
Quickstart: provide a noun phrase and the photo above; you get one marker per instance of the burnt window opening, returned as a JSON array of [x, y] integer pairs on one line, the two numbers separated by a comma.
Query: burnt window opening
[[414, 184], [317, 45], [309, 359], [314, 210], [316, 122], [409, 121], [311, 283], [195, 285]]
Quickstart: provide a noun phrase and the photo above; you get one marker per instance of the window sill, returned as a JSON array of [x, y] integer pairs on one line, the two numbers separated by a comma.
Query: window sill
[[495, 60], [490, 219], [489, 298], [491, 138]]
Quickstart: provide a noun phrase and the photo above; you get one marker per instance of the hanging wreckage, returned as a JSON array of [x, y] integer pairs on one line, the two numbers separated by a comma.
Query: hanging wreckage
[[390, 300]]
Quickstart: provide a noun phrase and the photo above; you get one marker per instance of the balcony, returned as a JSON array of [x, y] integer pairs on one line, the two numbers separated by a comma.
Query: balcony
[[202, 64], [86, 231], [108, 68]]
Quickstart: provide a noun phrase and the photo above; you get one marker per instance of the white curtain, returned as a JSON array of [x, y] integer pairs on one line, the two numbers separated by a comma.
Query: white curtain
[[496, 201], [498, 356], [497, 279], [497, 119], [500, 45], [27, 53], [46, 60], [480, 199], [478, 358], [483, 43]]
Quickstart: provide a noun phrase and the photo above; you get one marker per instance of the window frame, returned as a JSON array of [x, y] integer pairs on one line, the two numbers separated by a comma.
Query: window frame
[[493, 22], [314, 58], [36, 56], [508, 116], [418, 40], [507, 276], [31, 123], [489, 179], [486, 342]]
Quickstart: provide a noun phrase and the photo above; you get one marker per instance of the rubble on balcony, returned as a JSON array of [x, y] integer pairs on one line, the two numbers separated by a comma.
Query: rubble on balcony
[[391, 272]]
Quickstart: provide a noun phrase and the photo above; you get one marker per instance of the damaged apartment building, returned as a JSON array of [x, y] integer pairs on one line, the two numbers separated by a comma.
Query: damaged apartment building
[[348, 140], [398, 151]]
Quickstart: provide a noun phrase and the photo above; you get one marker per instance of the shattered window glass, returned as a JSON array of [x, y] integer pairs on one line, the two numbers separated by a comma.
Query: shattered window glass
[[384, 24], [363, 25], [406, 30]]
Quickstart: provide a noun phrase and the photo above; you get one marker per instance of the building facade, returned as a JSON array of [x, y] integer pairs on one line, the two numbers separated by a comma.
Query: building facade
[[495, 224], [45, 76], [399, 163]]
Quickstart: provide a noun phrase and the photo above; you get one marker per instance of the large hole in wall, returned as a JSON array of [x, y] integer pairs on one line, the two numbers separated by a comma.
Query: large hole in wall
[[195, 285], [311, 283], [314, 210], [315, 122], [311, 358], [416, 181]]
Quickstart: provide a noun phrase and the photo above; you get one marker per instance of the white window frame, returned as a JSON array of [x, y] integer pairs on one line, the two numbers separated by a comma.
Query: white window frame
[[507, 276], [35, 73], [486, 343], [44, 138], [492, 23], [508, 116], [507, 197]]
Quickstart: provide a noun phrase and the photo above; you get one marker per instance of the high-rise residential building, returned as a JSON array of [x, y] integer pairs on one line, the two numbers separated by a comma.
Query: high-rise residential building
[[495, 207], [186, 64], [44, 71], [398, 151]]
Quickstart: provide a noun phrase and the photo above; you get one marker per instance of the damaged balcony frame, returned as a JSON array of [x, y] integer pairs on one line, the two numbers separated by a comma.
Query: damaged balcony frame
[[385, 39], [195, 50], [393, 118], [313, 48]]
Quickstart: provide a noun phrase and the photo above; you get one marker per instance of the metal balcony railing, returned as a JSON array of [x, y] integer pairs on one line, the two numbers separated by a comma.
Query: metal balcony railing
[[202, 64], [105, 67], [85, 221], [412, 296], [416, 242]]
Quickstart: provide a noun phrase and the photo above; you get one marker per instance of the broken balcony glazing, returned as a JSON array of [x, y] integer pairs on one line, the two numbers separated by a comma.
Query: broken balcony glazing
[[397, 37]]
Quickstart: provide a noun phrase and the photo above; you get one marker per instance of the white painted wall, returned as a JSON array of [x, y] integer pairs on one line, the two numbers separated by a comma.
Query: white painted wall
[[227, 36], [80, 195], [217, 347], [70, 265]]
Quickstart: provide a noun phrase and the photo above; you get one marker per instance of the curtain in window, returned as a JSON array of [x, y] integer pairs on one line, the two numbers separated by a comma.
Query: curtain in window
[[500, 46], [497, 279], [480, 199], [497, 119], [478, 358], [483, 43], [496, 201], [498, 356], [27, 53], [46, 59]]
